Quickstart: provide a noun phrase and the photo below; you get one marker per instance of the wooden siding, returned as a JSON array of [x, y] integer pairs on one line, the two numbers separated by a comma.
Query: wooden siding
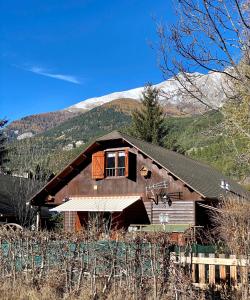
[[181, 211]]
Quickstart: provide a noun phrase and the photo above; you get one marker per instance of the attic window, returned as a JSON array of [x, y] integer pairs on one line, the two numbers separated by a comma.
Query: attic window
[[112, 163], [115, 163]]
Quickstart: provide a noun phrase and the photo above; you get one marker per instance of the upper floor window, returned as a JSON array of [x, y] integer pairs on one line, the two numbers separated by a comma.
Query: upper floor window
[[115, 163], [110, 164]]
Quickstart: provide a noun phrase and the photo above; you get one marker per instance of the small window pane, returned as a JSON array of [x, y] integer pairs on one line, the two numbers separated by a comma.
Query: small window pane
[[110, 164], [111, 160], [121, 159], [121, 164]]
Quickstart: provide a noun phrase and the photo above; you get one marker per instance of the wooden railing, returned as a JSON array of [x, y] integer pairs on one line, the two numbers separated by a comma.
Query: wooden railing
[[211, 270]]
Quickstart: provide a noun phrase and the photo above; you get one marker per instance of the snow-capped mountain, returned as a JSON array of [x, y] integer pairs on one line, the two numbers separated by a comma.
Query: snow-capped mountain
[[174, 99], [171, 92]]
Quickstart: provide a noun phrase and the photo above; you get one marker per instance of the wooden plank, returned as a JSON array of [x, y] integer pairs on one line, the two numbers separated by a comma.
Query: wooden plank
[[201, 270], [233, 272], [211, 271], [193, 270], [216, 261], [178, 212], [222, 269]]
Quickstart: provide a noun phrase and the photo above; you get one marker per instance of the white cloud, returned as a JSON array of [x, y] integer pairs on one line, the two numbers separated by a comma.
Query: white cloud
[[42, 71]]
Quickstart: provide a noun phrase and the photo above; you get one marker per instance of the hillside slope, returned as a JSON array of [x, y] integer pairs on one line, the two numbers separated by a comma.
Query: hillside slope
[[190, 136], [34, 124], [62, 141], [85, 126]]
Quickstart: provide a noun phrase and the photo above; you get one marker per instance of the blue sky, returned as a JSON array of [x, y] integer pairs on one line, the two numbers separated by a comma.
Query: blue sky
[[55, 53]]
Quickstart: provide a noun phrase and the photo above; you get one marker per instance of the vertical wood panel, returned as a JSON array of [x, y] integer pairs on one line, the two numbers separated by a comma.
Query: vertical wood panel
[[193, 272], [98, 165], [233, 272], [201, 270], [126, 163], [222, 270], [78, 225], [211, 271]]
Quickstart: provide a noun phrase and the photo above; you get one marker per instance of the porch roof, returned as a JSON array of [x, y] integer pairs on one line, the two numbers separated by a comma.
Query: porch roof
[[97, 204]]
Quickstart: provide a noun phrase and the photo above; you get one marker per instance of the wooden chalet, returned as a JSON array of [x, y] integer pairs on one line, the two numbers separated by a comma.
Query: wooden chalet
[[132, 183]]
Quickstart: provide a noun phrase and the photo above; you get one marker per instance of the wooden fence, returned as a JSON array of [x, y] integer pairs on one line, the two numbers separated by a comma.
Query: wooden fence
[[217, 271]]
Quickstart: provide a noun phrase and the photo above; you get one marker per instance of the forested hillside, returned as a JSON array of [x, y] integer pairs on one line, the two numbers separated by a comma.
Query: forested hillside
[[202, 138], [35, 124], [199, 137], [55, 147]]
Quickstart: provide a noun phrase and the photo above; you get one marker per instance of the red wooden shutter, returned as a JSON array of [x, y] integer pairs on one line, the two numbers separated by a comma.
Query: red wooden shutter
[[126, 163], [98, 161]]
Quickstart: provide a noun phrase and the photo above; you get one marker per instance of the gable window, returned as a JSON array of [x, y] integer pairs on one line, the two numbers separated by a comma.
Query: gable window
[[115, 163]]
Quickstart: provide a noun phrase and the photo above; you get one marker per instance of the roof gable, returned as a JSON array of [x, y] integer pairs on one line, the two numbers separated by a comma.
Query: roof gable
[[200, 177]]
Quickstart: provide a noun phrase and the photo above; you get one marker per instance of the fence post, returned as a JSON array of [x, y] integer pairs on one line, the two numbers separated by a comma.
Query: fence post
[[201, 270], [193, 267], [222, 270], [233, 273], [211, 271]]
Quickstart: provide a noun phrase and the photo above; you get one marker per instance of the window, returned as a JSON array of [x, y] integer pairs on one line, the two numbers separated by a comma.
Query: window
[[115, 163]]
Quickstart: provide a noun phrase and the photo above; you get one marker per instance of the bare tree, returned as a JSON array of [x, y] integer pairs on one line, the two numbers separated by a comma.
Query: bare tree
[[212, 37], [30, 175], [232, 227], [209, 36]]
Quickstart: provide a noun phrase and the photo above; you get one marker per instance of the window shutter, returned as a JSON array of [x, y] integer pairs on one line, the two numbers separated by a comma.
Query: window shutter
[[98, 160], [126, 163]]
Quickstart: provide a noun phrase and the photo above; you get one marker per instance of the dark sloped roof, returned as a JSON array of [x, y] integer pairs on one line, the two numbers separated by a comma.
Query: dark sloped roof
[[200, 177]]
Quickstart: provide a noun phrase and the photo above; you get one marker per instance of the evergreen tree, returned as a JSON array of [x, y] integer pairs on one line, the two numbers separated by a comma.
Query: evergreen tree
[[2, 146], [148, 123]]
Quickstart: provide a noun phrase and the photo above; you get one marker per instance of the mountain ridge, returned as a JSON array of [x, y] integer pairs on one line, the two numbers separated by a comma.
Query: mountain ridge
[[172, 99], [171, 92]]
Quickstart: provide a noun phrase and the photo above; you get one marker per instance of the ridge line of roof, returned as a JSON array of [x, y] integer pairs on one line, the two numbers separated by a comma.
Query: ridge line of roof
[[170, 171]]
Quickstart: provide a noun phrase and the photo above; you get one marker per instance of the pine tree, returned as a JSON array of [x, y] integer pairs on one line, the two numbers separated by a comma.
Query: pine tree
[[148, 123], [2, 146]]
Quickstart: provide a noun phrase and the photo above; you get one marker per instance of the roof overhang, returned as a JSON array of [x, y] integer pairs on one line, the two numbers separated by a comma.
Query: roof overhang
[[97, 204]]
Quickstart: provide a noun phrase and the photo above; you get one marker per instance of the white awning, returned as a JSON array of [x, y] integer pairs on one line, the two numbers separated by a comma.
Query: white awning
[[111, 204]]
